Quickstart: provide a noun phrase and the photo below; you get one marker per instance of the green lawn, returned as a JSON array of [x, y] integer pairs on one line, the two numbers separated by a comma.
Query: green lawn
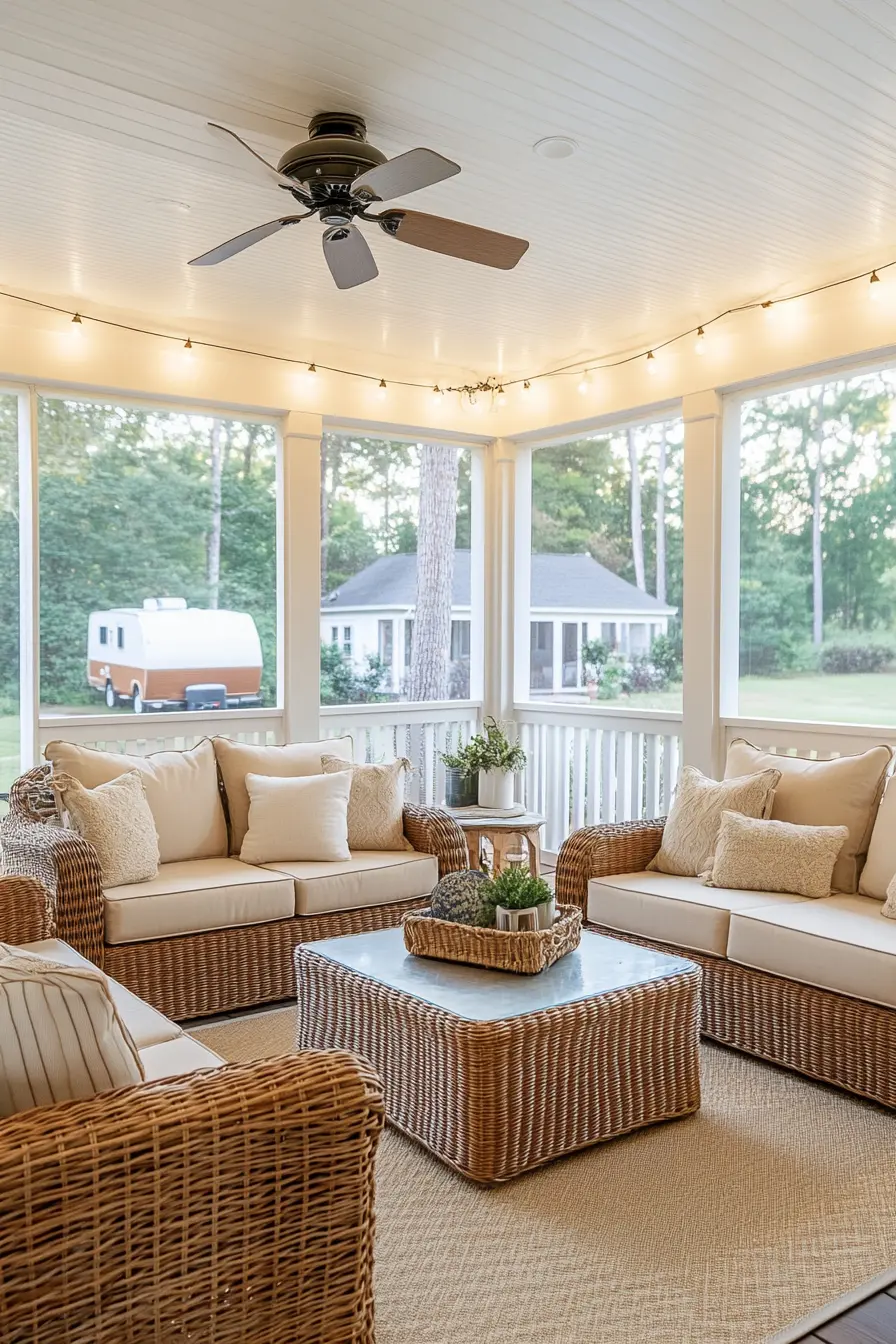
[[862, 698]]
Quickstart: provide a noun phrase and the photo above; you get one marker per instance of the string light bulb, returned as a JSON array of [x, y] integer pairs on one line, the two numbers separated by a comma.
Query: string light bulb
[[527, 386], [700, 343], [651, 362], [77, 318], [312, 368], [188, 344], [501, 396], [766, 307], [382, 390], [585, 383], [874, 286]]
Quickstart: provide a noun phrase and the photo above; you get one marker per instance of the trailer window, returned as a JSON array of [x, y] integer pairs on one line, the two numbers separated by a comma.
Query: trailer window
[[121, 636], [104, 634]]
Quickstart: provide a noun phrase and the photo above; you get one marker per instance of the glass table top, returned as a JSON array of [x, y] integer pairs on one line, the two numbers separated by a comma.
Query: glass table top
[[597, 966]]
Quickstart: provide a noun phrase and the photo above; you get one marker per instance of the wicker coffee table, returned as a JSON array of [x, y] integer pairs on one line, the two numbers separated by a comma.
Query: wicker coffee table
[[496, 1073]]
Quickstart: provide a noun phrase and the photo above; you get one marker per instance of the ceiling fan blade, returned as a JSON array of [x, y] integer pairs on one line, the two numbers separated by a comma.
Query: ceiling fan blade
[[244, 240], [403, 174], [349, 258], [453, 239], [263, 168]]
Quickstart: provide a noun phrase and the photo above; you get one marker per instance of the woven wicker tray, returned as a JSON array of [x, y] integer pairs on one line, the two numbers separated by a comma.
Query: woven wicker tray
[[524, 953]]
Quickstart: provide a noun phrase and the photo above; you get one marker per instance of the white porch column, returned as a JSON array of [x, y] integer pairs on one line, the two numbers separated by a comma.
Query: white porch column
[[702, 743], [499, 482], [299, 566]]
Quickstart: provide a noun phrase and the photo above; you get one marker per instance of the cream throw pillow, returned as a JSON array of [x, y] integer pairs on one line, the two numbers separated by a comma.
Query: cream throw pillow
[[880, 865], [60, 1034], [238, 759], [181, 789], [375, 803], [116, 819], [692, 826], [755, 855], [842, 792], [296, 819]]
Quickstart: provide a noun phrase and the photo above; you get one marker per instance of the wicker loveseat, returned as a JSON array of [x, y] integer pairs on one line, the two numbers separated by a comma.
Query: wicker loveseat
[[230, 1204], [247, 959], [837, 1037]]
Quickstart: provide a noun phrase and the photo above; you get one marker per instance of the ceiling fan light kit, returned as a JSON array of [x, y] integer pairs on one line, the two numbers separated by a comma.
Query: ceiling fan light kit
[[339, 176]]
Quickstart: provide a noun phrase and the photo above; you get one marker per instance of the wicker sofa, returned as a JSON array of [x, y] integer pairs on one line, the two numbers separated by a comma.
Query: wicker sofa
[[234, 1203], [770, 1007], [238, 951]]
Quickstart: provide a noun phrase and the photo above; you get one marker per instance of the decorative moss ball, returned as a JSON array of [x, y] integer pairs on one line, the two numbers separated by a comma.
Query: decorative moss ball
[[464, 898]]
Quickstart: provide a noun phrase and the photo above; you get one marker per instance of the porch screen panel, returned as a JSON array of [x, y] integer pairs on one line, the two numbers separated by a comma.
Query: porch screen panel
[[9, 595]]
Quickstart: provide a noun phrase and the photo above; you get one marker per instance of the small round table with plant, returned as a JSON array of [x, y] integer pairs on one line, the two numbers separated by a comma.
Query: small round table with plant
[[484, 770]]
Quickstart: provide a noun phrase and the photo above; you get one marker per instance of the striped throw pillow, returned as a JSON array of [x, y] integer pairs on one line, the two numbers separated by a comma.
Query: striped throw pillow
[[60, 1035]]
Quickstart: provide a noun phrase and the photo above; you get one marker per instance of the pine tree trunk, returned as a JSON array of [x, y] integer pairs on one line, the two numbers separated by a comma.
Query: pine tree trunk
[[435, 573], [213, 552], [817, 525], [661, 518], [637, 524], [249, 450]]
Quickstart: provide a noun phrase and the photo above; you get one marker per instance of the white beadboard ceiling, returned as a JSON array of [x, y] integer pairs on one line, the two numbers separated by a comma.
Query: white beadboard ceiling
[[728, 147]]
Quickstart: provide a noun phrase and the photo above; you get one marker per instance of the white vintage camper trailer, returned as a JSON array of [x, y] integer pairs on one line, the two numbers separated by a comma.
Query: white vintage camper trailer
[[167, 655]]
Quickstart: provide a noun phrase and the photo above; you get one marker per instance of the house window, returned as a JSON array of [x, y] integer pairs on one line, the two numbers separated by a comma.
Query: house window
[[608, 634], [385, 636], [104, 634], [347, 641], [334, 634], [121, 636], [817, 583], [541, 655], [408, 644], [460, 640], [570, 670]]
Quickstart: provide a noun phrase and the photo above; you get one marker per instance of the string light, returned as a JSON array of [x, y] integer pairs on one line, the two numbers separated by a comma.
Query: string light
[[501, 397], [700, 343], [490, 385], [382, 390], [585, 384]]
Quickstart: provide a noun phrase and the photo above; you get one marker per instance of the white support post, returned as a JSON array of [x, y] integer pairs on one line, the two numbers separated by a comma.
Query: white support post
[[701, 728], [500, 581], [29, 583], [298, 548]]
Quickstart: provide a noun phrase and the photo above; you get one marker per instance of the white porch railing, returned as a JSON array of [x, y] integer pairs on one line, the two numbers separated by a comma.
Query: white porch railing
[[140, 734], [816, 741], [587, 765], [420, 732]]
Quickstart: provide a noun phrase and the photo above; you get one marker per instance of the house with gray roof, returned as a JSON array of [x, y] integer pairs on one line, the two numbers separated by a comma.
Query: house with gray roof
[[573, 599]]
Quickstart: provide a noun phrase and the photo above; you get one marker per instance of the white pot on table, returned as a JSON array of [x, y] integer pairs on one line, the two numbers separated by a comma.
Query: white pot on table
[[496, 789]]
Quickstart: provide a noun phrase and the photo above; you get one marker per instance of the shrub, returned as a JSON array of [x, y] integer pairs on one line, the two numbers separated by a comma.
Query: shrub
[[517, 889], [643, 674], [665, 655], [595, 656], [856, 656]]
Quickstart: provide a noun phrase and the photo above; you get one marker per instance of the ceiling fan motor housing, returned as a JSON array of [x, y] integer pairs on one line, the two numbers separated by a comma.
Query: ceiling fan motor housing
[[335, 153]]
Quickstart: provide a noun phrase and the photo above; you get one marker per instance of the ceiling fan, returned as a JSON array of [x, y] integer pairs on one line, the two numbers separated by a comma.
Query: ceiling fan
[[338, 176]]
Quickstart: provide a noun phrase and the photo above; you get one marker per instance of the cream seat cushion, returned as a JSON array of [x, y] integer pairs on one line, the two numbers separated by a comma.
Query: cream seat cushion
[[842, 943], [843, 792], [146, 1024], [236, 760], [670, 909], [181, 789], [194, 898], [60, 1035], [369, 877], [171, 1059], [880, 866]]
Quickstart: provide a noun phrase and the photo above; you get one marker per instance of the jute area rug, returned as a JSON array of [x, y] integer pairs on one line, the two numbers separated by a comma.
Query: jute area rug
[[718, 1229]]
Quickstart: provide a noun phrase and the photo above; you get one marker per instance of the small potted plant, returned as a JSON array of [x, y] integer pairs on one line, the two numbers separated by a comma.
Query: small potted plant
[[515, 889], [498, 760], [462, 775]]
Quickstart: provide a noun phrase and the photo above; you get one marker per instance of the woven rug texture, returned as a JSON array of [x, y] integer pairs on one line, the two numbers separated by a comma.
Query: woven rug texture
[[718, 1229]]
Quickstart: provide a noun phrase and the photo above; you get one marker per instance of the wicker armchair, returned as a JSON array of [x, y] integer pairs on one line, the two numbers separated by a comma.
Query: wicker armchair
[[223, 1206], [828, 1036], [199, 974]]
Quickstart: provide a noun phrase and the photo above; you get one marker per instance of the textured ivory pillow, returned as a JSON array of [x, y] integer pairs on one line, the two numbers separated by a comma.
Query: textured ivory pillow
[[375, 803], [842, 792], [692, 826], [297, 818], [116, 819], [889, 908], [60, 1034], [756, 855], [880, 865], [296, 760], [181, 789]]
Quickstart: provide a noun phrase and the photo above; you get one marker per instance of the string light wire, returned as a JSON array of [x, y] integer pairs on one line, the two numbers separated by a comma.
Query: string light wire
[[486, 385]]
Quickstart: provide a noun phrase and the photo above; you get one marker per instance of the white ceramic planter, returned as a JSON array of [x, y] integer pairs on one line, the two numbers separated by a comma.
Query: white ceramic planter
[[535, 917], [496, 788]]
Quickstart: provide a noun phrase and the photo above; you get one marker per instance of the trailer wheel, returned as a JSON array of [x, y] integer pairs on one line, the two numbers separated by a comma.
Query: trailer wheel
[[111, 697], [138, 699]]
